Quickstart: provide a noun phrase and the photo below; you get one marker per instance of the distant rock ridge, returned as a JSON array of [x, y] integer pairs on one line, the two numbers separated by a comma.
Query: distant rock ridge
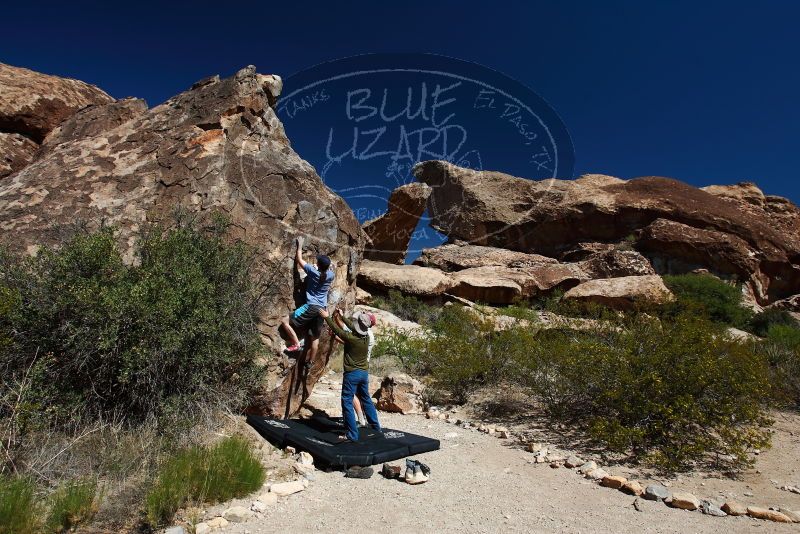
[[736, 232]]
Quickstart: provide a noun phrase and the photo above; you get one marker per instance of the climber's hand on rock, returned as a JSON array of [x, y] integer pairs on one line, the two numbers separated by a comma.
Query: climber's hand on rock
[[323, 313], [299, 242]]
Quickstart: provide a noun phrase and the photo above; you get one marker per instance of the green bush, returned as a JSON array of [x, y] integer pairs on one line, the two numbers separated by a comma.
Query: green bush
[[782, 349], [672, 392], [71, 504], [96, 336], [707, 295], [463, 352], [761, 322], [195, 475], [407, 307], [19, 511]]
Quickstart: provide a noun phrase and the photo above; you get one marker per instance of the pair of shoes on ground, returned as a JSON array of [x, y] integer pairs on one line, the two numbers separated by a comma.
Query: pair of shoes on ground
[[357, 471], [416, 472]]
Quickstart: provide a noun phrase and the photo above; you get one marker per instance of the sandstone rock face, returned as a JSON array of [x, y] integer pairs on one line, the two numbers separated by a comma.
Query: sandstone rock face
[[16, 151], [93, 120], [622, 293], [216, 148], [761, 233], [391, 233], [400, 393], [34, 103], [453, 257], [408, 279]]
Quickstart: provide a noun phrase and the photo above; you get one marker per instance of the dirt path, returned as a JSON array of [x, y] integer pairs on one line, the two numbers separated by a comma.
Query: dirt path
[[479, 484]]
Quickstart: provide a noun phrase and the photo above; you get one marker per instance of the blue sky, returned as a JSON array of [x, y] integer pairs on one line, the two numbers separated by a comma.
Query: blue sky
[[706, 92]]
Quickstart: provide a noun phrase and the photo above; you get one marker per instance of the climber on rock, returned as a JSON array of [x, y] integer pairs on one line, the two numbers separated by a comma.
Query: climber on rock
[[318, 282]]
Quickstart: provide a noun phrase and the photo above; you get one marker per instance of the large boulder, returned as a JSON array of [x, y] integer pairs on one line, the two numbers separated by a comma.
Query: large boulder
[[498, 276], [552, 217], [455, 257], [621, 293], [217, 148], [400, 393], [34, 103], [408, 279], [391, 233]]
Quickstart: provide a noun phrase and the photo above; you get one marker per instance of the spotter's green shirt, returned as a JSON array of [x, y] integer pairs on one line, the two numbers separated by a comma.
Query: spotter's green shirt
[[355, 347]]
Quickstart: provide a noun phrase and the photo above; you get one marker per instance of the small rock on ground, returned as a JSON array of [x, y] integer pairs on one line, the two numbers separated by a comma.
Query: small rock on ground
[[656, 492], [632, 487], [734, 508], [709, 508], [769, 515], [237, 514], [287, 488], [202, 528], [217, 522], [613, 481], [684, 501]]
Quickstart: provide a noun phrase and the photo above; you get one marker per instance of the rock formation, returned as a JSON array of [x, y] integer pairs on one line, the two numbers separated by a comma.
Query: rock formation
[[400, 393], [495, 276], [623, 293], [217, 148], [756, 238], [32, 104], [391, 233]]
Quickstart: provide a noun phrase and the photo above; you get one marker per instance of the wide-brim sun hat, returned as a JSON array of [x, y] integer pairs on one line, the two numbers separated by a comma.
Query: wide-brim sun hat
[[361, 323]]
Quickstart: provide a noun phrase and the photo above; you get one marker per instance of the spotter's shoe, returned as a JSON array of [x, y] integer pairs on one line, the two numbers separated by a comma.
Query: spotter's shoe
[[416, 472]]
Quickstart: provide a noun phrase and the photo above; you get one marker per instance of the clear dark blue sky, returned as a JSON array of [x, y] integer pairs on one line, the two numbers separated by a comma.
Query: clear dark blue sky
[[706, 92]]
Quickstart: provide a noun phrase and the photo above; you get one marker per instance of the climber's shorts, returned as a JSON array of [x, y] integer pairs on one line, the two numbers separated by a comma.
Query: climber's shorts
[[307, 316]]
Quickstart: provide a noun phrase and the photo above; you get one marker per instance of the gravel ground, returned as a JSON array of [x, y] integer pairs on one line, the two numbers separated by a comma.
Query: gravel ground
[[478, 484]]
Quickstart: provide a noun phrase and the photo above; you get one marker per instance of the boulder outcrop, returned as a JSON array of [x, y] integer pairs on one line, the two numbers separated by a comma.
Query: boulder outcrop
[[32, 104], [757, 234], [400, 393], [623, 293], [408, 279], [217, 148], [455, 257], [391, 233]]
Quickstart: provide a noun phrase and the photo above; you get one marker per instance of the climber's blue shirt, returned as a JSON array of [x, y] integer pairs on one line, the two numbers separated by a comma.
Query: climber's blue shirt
[[316, 292]]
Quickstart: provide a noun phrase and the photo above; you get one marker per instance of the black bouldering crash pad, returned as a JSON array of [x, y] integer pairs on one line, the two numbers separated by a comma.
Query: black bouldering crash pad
[[319, 436]]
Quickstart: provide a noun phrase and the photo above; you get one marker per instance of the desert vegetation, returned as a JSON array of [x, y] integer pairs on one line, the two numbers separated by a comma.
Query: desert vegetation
[[666, 386], [110, 368]]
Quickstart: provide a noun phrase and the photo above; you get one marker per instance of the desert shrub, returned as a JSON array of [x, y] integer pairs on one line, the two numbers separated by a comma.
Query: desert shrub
[[761, 322], [19, 510], [520, 310], [227, 470], [407, 307], [96, 336], [670, 392], [782, 349], [463, 352], [71, 504], [400, 345], [707, 295]]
